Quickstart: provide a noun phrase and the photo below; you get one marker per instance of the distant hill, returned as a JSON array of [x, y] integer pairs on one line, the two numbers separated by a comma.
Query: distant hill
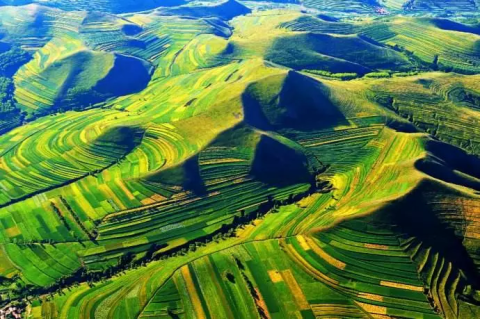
[[364, 6], [440, 5], [352, 6], [99, 5], [334, 53], [226, 10], [76, 79]]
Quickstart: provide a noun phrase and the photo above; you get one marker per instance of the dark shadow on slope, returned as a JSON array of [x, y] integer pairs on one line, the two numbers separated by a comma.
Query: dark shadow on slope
[[124, 138], [327, 18], [11, 59], [414, 217], [252, 109], [278, 164], [128, 75], [4, 47], [451, 164], [291, 101], [400, 125], [226, 11], [220, 27], [336, 54], [465, 97], [186, 175], [131, 29], [450, 25]]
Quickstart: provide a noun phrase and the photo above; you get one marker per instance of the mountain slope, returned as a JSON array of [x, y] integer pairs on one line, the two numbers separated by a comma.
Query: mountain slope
[[226, 10], [76, 79], [230, 160], [99, 5], [290, 101]]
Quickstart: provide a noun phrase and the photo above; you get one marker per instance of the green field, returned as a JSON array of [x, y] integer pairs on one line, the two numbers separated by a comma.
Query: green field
[[312, 159]]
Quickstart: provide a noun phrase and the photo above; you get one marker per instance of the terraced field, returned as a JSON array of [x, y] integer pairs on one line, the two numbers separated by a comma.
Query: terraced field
[[101, 5], [239, 160]]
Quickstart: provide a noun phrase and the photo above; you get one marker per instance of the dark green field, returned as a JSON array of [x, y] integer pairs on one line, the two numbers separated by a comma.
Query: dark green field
[[281, 159]]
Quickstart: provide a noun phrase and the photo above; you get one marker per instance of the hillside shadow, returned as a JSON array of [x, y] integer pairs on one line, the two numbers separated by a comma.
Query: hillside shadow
[[451, 164], [293, 101]]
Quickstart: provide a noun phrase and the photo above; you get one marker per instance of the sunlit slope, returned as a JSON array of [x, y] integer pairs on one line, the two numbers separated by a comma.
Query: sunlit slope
[[96, 59], [342, 259], [33, 26], [429, 44], [64, 75], [100, 5], [145, 35], [349, 6], [333, 198], [418, 274], [153, 153], [404, 6], [43, 167], [312, 48], [336, 54], [353, 177], [352, 6], [444, 106], [440, 6]]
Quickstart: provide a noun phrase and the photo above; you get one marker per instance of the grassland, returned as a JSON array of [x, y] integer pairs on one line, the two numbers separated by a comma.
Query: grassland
[[186, 162], [100, 5]]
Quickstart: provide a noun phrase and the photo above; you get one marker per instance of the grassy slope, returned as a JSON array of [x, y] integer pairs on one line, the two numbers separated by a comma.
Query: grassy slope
[[76, 78], [208, 128], [100, 5], [226, 10]]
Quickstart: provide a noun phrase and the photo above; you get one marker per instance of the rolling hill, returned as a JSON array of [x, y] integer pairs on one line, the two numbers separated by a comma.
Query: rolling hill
[[240, 159], [76, 78], [225, 10], [98, 5]]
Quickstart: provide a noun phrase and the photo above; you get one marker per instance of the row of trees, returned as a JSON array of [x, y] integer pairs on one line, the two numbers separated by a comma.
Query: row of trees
[[10, 61], [7, 89]]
